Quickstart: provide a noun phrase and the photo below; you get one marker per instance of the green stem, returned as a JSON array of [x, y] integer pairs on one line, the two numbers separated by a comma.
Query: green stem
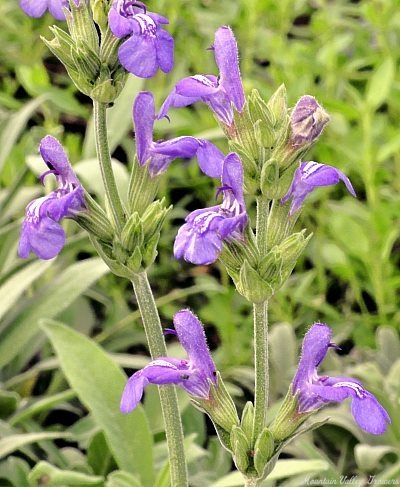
[[250, 482], [260, 313], [168, 397], [263, 205], [103, 154]]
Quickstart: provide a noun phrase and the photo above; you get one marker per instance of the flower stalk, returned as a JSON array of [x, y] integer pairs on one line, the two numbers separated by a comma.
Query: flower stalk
[[103, 154], [168, 397], [260, 315], [261, 365], [147, 306]]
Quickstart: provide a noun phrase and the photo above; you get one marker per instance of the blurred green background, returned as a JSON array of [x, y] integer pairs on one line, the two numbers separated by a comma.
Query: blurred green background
[[346, 54]]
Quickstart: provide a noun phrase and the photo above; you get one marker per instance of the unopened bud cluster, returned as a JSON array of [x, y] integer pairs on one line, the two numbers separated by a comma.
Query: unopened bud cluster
[[270, 139], [133, 248], [89, 51]]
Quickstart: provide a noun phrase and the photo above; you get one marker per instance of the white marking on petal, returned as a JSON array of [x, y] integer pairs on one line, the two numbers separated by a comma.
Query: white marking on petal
[[33, 209], [162, 363], [203, 221], [359, 390], [310, 168], [203, 80], [147, 25]]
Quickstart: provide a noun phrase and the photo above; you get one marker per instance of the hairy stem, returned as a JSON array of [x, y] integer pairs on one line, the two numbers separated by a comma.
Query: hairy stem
[[168, 397], [260, 314], [103, 154], [251, 482]]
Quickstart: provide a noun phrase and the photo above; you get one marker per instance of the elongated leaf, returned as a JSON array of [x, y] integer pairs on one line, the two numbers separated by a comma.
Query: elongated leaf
[[380, 84], [98, 382], [45, 404], [15, 126], [122, 479], [58, 296], [15, 470], [14, 442], [57, 477], [12, 289]]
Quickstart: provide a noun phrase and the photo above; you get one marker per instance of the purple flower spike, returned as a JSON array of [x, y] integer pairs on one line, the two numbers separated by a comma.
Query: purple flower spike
[[221, 92], [200, 239], [148, 47], [37, 8], [307, 121], [192, 374], [310, 175], [315, 391], [161, 153], [41, 232]]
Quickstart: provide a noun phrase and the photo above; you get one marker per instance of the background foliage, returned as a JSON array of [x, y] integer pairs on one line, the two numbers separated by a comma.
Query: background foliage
[[60, 423]]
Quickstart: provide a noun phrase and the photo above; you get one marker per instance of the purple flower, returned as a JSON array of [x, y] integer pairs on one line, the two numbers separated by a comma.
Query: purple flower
[[148, 47], [221, 92], [36, 8], [161, 153], [41, 232], [307, 121], [315, 391], [200, 239], [192, 374], [310, 175]]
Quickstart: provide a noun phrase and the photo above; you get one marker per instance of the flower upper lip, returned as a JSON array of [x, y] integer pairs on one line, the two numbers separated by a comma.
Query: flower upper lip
[[219, 92], [159, 154]]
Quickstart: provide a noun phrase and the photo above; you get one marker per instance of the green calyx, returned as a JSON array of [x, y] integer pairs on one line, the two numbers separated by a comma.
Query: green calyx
[[135, 248], [258, 277], [288, 418], [251, 455], [90, 60], [263, 138], [220, 408]]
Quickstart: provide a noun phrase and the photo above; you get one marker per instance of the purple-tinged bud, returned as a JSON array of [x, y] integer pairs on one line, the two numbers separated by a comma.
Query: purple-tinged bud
[[307, 121]]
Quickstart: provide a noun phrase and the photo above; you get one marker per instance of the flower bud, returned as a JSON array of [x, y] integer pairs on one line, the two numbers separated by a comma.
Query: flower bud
[[277, 106], [247, 421], [240, 449], [307, 121], [91, 60], [252, 285], [263, 451]]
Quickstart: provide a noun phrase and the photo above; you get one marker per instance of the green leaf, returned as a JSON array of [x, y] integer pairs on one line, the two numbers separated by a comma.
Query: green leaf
[[47, 403], [98, 382], [8, 403], [369, 456], [16, 124], [123, 479], [19, 282], [380, 83], [57, 297], [46, 474], [88, 171], [15, 470], [14, 442]]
